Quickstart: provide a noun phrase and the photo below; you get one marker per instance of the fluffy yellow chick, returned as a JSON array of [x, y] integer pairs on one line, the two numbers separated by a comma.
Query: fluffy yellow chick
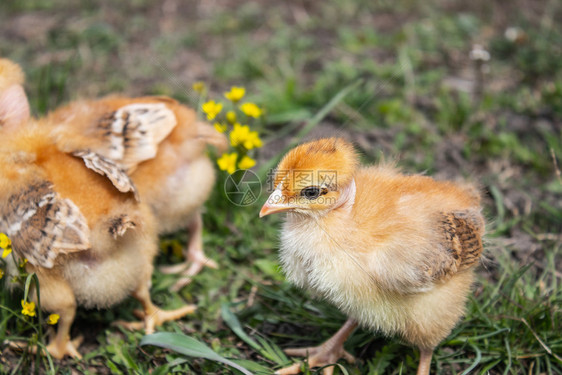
[[395, 253], [14, 107], [163, 148], [75, 217]]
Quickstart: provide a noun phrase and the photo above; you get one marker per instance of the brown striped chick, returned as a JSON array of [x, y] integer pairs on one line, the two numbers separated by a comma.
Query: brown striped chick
[[163, 147], [75, 217], [14, 107], [395, 253]]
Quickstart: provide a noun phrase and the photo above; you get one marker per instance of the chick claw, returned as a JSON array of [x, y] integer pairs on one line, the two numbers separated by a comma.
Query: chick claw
[[68, 348], [196, 260], [319, 356], [156, 318], [57, 349]]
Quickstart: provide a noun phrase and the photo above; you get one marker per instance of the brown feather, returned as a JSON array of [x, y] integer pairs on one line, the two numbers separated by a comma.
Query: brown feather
[[42, 225], [109, 169], [461, 243]]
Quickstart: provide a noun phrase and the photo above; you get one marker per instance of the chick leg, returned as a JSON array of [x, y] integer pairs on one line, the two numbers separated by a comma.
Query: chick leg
[[194, 255], [151, 315], [425, 361], [57, 297], [327, 353]]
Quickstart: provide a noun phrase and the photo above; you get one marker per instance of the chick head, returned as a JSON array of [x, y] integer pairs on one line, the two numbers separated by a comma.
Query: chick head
[[14, 107], [314, 178]]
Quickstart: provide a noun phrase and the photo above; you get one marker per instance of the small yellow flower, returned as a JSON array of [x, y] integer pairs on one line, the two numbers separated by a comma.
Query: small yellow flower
[[221, 128], [252, 141], [251, 110], [227, 162], [199, 87], [53, 319], [7, 251], [231, 117], [235, 94], [246, 162], [239, 134], [23, 262], [28, 308], [212, 109], [4, 241], [1, 273]]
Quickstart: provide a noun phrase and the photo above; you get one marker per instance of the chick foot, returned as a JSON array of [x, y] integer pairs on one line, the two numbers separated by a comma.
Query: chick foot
[[56, 348], [196, 261], [157, 317], [195, 257], [69, 347], [327, 353]]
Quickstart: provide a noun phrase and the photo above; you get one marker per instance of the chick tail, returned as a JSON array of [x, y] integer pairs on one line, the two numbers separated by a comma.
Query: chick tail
[[212, 137]]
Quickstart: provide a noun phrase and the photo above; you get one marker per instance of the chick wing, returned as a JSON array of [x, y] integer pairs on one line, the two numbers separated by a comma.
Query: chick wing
[[43, 225]]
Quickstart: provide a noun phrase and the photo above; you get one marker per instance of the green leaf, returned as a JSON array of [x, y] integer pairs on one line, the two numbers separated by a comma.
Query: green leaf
[[188, 346], [265, 348], [232, 321], [270, 268]]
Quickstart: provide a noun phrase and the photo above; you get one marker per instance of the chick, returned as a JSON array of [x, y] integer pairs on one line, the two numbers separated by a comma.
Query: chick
[[163, 148], [395, 253], [14, 107], [75, 217]]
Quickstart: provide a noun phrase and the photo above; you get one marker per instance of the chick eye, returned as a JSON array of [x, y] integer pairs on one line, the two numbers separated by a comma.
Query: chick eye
[[313, 192]]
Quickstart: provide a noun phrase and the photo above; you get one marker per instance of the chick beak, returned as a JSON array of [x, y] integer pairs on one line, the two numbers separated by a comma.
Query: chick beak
[[273, 205]]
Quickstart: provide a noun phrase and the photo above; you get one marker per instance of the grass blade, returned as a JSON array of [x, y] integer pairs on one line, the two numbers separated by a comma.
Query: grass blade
[[476, 360], [265, 348], [188, 346], [232, 321]]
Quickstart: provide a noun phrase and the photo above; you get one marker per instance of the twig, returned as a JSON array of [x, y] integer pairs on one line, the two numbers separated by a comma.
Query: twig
[[252, 297]]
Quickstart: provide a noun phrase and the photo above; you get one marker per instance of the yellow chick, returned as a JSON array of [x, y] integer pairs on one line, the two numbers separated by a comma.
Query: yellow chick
[[393, 252], [163, 148], [75, 216]]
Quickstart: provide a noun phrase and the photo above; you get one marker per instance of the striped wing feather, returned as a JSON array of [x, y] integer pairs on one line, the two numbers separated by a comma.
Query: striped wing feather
[[461, 243], [43, 225], [109, 169], [134, 131]]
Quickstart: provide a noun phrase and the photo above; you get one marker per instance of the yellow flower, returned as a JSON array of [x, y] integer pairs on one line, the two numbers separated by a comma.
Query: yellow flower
[[235, 94], [239, 134], [28, 308], [23, 262], [199, 87], [4, 241], [231, 117], [227, 162], [212, 109], [1, 273], [246, 162], [252, 141], [53, 319], [7, 251], [251, 110], [221, 128]]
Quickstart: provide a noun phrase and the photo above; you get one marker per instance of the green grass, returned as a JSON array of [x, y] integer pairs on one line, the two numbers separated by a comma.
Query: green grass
[[403, 87]]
